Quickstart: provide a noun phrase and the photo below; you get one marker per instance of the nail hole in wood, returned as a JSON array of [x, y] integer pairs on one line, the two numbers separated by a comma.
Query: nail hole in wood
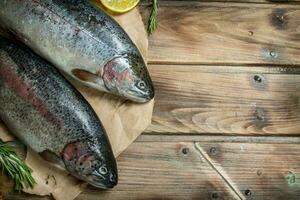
[[250, 33], [279, 18], [185, 151], [214, 195], [213, 151], [272, 54], [259, 172], [260, 118], [291, 178], [248, 192], [257, 78]]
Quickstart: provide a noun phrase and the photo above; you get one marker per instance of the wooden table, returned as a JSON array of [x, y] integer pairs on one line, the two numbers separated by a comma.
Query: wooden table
[[226, 122]]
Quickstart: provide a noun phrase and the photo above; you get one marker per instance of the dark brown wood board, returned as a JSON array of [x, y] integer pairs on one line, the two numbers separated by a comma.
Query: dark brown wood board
[[258, 171], [196, 32], [226, 100], [148, 2], [226, 122], [170, 170], [247, 168]]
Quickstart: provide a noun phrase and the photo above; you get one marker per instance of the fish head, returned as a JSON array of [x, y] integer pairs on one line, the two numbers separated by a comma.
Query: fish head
[[88, 162], [127, 76]]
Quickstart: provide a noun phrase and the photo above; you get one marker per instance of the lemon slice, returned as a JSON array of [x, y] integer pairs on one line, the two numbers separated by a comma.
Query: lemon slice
[[119, 6]]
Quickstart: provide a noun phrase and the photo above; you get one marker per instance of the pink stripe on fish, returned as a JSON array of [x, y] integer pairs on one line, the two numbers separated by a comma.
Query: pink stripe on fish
[[24, 91]]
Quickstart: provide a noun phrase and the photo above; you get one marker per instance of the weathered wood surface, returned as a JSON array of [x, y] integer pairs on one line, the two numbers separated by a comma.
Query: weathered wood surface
[[156, 169], [153, 170], [232, 100], [148, 2], [201, 32], [258, 171], [220, 67]]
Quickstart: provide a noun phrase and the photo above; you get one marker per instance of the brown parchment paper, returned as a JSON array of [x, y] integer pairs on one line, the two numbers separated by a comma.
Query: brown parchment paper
[[123, 120]]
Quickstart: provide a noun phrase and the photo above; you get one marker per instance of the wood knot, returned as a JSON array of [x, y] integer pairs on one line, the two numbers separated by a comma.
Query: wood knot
[[279, 19], [259, 115], [260, 120]]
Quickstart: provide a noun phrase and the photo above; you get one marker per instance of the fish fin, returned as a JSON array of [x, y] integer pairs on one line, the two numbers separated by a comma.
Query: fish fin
[[52, 158], [10, 35], [100, 72], [19, 148], [90, 77], [4, 33], [84, 75]]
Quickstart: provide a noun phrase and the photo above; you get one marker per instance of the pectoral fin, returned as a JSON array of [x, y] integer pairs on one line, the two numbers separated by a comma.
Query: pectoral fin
[[91, 79], [84, 75], [52, 158]]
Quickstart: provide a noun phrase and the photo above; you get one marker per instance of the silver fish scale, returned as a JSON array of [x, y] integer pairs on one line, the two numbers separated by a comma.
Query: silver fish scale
[[52, 113], [39, 22], [95, 22]]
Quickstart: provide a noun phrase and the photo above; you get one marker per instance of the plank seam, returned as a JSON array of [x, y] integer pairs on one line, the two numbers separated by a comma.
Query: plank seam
[[180, 137], [169, 3], [225, 64], [228, 182]]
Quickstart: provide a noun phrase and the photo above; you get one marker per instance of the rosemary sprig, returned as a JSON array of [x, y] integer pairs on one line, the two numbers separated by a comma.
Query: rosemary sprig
[[15, 167], [152, 22]]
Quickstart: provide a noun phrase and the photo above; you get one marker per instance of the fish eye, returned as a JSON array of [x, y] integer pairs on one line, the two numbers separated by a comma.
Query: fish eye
[[103, 170], [141, 85]]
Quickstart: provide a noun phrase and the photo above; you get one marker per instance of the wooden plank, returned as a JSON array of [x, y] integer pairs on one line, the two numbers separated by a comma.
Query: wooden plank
[[196, 99], [148, 2], [200, 32], [160, 170], [218, 138], [259, 171]]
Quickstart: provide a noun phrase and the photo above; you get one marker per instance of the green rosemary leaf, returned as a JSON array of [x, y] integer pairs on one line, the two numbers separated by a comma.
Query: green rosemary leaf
[[152, 22], [15, 167]]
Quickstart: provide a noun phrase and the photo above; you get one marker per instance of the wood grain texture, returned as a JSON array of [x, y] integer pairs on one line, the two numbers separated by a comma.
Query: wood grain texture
[[218, 138], [203, 99], [148, 2], [201, 32], [160, 170], [254, 91], [258, 171]]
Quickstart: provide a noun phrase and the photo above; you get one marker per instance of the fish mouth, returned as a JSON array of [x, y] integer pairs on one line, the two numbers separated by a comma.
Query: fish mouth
[[103, 186], [99, 184], [102, 183], [139, 96]]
